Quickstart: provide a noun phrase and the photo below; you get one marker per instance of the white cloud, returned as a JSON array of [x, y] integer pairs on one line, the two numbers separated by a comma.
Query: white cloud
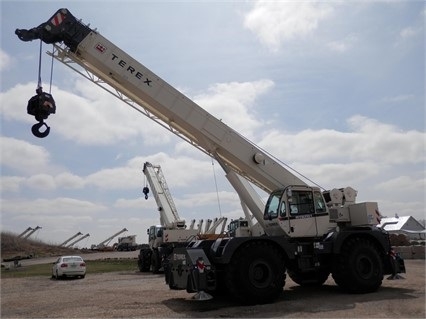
[[404, 195], [407, 183], [386, 142], [60, 206], [337, 175], [398, 98], [68, 180], [368, 140], [137, 204], [13, 103], [232, 102], [182, 170], [202, 199], [23, 156], [275, 22], [127, 177], [344, 45], [130, 176], [389, 208], [41, 182], [10, 183], [409, 32], [116, 178], [5, 60]]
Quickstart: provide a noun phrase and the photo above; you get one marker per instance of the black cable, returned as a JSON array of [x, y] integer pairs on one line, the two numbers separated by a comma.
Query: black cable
[[39, 65], [51, 71]]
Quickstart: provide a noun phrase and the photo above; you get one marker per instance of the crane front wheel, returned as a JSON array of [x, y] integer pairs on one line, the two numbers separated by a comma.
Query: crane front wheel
[[256, 273]]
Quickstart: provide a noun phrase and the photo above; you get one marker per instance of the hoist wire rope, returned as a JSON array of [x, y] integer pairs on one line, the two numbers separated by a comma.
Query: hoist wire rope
[[39, 65], [39, 84], [51, 73]]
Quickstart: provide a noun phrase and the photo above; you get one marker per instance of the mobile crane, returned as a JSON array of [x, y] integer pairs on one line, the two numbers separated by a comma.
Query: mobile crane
[[309, 233], [126, 243], [103, 245], [172, 230]]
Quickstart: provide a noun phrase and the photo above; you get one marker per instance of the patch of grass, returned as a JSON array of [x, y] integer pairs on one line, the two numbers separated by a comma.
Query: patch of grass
[[93, 266], [109, 265], [12, 246]]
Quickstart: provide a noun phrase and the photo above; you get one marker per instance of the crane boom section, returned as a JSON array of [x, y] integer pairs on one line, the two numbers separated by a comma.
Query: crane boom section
[[169, 216], [122, 72]]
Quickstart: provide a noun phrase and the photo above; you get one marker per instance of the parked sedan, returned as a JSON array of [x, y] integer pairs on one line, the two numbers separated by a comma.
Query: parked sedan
[[69, 266]]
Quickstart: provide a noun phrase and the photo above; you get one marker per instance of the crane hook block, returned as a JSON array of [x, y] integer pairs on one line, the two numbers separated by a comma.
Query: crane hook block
[[41, 106], [145, 190]]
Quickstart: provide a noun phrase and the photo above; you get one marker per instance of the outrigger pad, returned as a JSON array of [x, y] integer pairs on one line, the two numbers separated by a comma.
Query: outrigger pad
[[202, 295]]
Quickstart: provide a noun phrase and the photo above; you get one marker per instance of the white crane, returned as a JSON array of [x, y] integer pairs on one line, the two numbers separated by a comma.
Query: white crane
[[104, 243], [309, 233], [169, 217]]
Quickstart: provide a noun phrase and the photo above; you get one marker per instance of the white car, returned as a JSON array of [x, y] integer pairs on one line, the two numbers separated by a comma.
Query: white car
[[69, 266]]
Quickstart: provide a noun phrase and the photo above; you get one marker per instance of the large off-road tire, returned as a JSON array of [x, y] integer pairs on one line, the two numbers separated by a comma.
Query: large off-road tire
[[311, 278], [144, 260], [155, 262], [358, 268], [256, 273]]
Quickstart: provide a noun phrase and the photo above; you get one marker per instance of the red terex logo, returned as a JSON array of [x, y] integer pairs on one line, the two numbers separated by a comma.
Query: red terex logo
[[100, 48]]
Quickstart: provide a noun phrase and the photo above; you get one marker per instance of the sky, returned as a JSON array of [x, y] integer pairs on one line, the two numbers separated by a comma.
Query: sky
[[336, 90]]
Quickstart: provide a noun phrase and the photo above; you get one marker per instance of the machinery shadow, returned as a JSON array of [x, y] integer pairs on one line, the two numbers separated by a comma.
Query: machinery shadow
[[293, 300]]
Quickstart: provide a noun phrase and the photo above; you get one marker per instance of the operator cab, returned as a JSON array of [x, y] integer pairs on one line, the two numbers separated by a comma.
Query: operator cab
[[155, 236], [239, 228], [299, 211]]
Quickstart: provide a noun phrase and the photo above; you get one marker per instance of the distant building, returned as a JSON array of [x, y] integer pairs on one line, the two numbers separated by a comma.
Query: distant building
[[407, 225]]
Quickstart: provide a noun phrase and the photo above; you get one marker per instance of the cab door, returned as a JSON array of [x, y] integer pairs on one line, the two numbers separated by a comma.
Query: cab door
[[298, 211], [302, 218], [275, 210]]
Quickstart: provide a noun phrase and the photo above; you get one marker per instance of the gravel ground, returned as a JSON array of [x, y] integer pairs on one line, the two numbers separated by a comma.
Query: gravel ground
[[134, 294]]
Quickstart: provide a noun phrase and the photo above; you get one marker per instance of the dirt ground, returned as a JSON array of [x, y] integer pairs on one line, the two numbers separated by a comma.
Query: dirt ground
[[134, 294]]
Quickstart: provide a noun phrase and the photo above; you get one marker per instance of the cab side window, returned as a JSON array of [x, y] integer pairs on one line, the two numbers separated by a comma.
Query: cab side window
[[272, 206], [282, 209], [302, 203], [319, 203]]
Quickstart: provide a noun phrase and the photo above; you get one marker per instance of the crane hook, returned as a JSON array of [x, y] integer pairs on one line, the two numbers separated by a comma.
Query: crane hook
[[36, 130], [41, 106]]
